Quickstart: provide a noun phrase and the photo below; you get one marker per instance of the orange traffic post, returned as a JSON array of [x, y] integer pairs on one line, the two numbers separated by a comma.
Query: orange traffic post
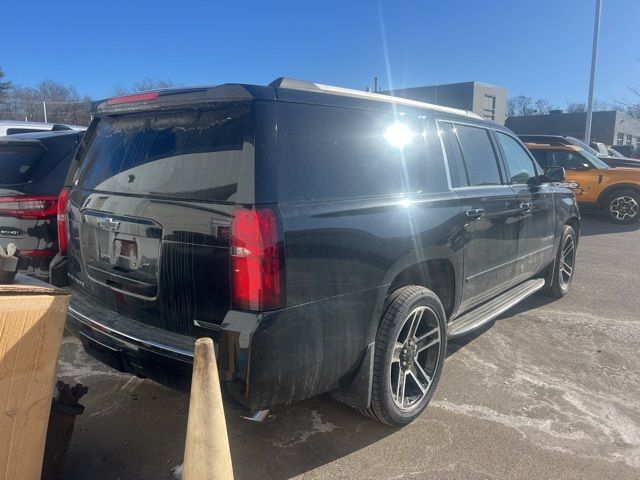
[[206, 453]]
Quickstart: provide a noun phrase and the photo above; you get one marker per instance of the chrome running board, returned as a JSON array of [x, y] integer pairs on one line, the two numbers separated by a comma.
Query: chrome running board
[[486, 312]]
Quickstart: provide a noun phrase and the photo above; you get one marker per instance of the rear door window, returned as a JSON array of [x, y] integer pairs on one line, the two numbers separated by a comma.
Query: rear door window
[[193, 154], [479, 156], [336, 153]]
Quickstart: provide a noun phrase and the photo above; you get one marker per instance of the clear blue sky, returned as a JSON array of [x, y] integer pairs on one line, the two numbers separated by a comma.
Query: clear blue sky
[[539, 48]]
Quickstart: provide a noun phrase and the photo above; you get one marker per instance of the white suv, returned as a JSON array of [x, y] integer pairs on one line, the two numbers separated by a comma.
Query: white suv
[[11, 127]]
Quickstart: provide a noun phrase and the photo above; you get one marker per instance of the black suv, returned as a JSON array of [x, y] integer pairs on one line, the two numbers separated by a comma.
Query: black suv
[[329, 240]]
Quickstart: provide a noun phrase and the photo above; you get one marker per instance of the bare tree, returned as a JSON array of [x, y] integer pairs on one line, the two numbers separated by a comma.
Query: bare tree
[[573, 107], [523, 105], [630, 106], [4, 85], [143, 85], [63, 104], [543, 106], [598, 106]]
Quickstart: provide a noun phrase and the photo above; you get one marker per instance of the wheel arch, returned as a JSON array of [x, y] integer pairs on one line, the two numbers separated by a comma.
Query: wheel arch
[[574, 222], [420, 267], [612, 188]]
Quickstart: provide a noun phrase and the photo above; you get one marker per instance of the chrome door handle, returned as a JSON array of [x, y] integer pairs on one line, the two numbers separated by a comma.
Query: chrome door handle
[[525, 207], [475, 213]]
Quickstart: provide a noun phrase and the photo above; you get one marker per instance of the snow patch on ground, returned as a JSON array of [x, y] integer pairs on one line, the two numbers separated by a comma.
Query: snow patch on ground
[[300, 436], [177, 471]]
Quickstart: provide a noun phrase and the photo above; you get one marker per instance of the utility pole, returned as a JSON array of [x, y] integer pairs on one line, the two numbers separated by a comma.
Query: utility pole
[[375, 84], [44, 109], [594, 54]]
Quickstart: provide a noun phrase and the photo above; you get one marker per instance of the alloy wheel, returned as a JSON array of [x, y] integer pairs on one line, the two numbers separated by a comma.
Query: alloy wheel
[[415, 358], [623, 208], [567, 261]]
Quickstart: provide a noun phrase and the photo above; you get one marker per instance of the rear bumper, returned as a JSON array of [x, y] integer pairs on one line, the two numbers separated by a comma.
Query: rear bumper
[[130, 346], [264, 359]]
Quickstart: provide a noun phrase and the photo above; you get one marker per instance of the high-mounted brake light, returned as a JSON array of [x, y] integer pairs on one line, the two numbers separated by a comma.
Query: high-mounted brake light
[[29, 206], [136, 97], [256, 266], [63, 199]]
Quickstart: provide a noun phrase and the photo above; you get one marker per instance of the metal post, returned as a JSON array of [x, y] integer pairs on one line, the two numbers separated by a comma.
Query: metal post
[[44, 108], [375, 84], [594, 54]]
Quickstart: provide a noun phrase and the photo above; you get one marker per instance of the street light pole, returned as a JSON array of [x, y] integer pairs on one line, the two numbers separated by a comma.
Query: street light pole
[[44, 109], [594, 54]]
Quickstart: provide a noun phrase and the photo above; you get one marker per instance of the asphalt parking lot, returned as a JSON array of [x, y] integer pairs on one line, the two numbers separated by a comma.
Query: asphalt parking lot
[[549, 390]]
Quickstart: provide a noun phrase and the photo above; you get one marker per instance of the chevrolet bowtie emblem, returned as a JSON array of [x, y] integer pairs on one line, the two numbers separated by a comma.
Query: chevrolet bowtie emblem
[[108, 224]]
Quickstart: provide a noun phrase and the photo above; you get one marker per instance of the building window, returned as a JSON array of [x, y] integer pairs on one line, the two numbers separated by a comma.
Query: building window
[[489, 107], [629, 139], [620, 139]]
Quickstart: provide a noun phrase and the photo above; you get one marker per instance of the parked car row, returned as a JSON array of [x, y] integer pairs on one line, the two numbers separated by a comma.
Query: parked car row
[[629, 151]]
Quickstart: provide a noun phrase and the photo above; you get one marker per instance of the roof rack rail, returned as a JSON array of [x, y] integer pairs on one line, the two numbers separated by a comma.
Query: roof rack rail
[[295, 84]]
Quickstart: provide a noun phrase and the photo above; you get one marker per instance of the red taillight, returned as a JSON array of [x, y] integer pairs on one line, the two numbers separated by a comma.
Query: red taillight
[[256, 268], [136, 97], [62, 220], [37, 253], [29, 206]]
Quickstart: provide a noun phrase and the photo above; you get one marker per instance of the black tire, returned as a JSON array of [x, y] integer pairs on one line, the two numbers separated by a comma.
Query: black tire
[[622, 207], [393, 326], [556, 282]]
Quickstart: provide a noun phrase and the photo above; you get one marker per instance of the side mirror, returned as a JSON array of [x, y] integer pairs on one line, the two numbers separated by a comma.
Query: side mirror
[[583, 166], [554, 174]]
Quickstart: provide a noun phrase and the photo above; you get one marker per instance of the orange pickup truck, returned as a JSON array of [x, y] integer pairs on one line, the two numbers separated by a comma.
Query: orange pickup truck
[[613, 191]]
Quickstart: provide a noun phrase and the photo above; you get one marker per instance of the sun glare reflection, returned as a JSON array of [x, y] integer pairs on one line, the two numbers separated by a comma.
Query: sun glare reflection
[[398, 135]]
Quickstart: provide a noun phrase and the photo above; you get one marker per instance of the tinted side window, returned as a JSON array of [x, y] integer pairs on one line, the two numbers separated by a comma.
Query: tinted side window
[[333, 153], [563, 158], [454, 155], [519, 163], [569, 159], [479, 156], [541, 157]]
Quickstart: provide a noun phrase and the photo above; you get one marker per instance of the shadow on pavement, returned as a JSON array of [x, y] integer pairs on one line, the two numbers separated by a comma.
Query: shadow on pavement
[[534, 301], [594, 224]]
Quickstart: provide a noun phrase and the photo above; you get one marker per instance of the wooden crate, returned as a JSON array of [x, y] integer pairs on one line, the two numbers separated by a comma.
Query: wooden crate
[[32, 317]]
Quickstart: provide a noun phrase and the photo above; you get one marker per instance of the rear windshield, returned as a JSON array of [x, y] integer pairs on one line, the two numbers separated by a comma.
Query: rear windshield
[[192, 154], [19, 162], [25, 161]]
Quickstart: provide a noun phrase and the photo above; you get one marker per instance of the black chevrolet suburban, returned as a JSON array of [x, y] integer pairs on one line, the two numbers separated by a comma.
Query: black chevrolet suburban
[[328, 240]]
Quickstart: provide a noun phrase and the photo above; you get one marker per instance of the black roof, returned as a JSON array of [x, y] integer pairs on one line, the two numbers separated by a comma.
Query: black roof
[[282, 89]]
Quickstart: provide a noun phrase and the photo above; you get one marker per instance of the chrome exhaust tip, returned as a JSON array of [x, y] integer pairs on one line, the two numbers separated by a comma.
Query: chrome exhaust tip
[[259, 416]]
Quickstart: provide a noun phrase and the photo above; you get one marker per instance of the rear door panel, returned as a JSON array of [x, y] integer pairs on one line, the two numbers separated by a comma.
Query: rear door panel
[[491, 242]]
